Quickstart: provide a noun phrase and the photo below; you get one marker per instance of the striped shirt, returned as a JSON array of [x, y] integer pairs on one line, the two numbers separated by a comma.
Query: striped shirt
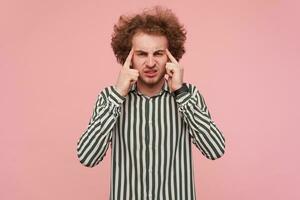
[[151, 141]]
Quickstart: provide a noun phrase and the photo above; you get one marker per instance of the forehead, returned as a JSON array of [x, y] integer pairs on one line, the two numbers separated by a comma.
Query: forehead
[[148, 43]]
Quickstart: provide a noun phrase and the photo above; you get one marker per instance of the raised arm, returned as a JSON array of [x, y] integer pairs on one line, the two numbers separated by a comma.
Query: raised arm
[[204, 132], [94, 142]]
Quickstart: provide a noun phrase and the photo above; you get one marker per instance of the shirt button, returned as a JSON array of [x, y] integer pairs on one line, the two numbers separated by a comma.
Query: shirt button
[[150, 121]]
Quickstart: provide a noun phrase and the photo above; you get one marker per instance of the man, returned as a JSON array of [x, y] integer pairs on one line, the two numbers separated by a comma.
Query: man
[[150, 116]]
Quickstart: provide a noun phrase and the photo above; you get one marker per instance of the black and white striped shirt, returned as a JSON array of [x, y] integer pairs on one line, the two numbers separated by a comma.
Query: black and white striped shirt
[[151, 142]]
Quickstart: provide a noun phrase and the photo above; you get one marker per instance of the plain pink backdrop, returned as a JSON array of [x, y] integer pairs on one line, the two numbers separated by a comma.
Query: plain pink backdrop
[[55, 57]]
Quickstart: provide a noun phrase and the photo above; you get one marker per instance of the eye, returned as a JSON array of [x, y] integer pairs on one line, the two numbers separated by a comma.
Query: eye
[[159, 54], [141, 54]]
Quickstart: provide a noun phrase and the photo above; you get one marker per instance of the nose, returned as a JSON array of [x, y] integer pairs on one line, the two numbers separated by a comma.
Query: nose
[[150, 61]]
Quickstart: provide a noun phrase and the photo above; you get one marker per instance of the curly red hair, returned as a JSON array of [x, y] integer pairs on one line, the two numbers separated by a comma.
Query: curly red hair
[[156, 21]]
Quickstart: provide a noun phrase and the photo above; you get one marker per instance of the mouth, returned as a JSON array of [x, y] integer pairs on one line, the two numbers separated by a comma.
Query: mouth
[[150, 73]]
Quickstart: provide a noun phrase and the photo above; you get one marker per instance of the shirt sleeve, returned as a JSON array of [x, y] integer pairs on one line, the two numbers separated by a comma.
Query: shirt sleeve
[[202, 129], [94, 142]]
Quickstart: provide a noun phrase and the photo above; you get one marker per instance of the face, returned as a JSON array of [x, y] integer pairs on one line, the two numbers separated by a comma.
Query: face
[[150, 58]]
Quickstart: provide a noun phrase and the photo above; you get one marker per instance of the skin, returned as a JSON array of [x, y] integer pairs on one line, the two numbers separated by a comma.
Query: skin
[[147, 64]]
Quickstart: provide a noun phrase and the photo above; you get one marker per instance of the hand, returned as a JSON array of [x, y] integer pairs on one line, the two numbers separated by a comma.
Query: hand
[[127, 76], [174, 72]]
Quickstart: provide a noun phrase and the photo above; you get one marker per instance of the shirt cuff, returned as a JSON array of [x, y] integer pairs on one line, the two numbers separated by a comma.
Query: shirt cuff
[[183, 98], [114, 97]]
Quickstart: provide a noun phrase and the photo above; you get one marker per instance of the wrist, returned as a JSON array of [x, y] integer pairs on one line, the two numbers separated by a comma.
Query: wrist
[[177, 87], [182, 89], [119, 91]]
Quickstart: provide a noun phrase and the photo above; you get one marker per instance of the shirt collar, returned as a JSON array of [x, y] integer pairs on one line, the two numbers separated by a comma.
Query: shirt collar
[[165, 88]]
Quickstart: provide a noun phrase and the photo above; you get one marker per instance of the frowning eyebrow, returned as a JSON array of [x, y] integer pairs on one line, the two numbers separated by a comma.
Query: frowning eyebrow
[[157, 51]]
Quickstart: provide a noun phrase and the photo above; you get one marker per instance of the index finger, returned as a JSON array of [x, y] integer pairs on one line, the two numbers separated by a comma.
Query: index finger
[[173, 60], [128, 59]]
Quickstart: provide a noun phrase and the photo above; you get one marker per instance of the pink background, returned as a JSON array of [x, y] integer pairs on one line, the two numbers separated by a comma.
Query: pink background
[[55, 57]]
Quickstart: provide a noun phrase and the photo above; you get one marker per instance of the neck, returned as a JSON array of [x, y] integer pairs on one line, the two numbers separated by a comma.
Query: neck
[[150, 90]]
